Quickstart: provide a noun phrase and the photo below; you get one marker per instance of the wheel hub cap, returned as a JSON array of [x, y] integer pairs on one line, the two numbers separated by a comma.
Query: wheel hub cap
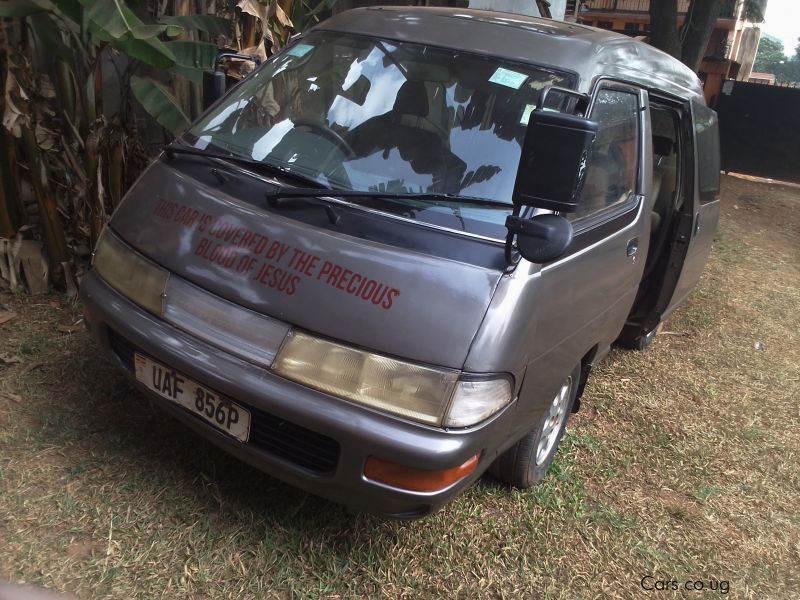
[[556, 414]]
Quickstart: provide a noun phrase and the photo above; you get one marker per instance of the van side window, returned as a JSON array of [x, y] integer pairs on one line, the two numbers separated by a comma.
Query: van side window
[[612, 170], [706, 128]]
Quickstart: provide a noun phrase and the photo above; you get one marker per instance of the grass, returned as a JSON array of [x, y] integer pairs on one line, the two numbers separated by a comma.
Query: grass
[[683, 463]]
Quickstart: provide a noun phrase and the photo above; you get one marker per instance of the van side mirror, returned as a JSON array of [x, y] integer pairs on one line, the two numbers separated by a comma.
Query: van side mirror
[[215, 81], [540, 239], [555, 154], [214, 85]]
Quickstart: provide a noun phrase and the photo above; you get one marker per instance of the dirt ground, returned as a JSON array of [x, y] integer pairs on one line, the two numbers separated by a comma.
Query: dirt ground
[[681, 466]]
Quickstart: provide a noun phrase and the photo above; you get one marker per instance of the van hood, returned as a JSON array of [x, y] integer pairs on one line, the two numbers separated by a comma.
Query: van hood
[[366, 293]]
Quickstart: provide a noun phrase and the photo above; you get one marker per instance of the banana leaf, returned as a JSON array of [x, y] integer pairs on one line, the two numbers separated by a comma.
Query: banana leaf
[[151, 51], [196, 55], [159, 102], [49, 41], [211, 24], [23, 8], [118, 21]]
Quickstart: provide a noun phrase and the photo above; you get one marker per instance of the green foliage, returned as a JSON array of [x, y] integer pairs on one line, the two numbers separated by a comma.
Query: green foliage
[[211, 24], [770, 53], [21, 8], [117, 21], [111, 23], [195, 55], [754, 10], [157, 100], [771, 58]]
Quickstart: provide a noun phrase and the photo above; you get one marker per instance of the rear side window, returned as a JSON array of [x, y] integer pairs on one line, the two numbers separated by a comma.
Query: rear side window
[[706, 129], [611, 174]]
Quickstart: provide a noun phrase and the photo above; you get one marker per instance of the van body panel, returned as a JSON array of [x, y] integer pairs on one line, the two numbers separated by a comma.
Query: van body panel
[[705, 211], [359, 431], [703, 232], [545, 320], [421, 307]]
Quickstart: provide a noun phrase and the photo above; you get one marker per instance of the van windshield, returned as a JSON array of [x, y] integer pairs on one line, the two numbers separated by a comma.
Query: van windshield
[[360, 113]]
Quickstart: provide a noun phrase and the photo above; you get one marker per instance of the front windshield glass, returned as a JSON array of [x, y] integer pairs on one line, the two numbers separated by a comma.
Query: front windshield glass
[[354, 112]]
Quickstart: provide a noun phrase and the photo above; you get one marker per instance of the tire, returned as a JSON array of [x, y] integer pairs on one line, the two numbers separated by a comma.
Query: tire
[[637, 339], [525, 463]]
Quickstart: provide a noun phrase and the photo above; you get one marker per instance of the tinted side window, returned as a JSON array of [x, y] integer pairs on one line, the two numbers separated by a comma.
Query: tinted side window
[[611, 174], [706, 128]]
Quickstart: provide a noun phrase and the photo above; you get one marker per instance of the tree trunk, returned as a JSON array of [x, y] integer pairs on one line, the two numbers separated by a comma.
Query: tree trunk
[[696, 31], [116, 166], [6, 227], [10, 213], [664, 27], [52, 230], [92, 162], [181, 85]]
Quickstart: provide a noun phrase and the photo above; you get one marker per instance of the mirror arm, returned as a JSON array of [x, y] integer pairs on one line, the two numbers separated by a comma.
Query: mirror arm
[[509, 248], [225, 55], [584, 98]]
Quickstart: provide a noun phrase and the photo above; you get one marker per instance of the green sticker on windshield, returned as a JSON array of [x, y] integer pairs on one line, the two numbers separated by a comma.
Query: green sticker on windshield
[[508, 78], [299, 50]]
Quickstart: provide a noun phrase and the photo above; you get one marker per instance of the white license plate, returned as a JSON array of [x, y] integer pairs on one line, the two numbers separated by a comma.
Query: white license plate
[[223, 414]]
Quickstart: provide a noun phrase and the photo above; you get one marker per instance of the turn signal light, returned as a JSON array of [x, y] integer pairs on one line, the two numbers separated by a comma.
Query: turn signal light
[[416, 480]]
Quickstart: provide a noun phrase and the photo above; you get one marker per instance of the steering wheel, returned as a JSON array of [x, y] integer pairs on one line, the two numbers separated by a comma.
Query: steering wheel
[[324, 131]]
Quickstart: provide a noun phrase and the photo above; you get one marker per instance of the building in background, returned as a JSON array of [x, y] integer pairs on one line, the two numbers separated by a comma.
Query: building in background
[[762, 78], [731, 49], [532, 8]]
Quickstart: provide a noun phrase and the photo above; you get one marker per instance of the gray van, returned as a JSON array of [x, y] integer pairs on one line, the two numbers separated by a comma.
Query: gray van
[[387, 261]]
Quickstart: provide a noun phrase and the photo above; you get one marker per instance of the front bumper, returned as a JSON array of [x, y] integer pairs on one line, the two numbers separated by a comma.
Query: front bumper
[[287, 440]]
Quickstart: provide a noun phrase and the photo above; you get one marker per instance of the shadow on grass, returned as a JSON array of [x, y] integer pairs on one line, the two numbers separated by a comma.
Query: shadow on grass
[[109, 425]]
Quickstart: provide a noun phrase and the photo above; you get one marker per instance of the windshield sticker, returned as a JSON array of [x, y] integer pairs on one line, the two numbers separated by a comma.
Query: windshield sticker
[[270, 262], [526, 114], [508, 78], [299, 50]]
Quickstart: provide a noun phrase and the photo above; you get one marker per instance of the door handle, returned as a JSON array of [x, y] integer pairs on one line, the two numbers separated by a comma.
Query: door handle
[[633, 248], [696, 224]]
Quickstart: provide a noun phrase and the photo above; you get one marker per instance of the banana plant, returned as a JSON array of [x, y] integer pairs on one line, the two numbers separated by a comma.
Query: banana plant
[[65, 40], [79, 30]]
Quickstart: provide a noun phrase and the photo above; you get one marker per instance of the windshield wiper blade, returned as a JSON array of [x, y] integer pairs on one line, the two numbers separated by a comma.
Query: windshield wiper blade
[[174, 149], [275, 196], [258, 165]]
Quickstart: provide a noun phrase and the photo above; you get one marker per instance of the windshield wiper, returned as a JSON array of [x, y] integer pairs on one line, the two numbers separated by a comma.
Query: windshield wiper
[[274, 197], [258, 165]]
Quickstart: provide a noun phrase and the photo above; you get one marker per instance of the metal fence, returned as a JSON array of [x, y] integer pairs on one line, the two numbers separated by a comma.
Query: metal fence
[[760, 130]]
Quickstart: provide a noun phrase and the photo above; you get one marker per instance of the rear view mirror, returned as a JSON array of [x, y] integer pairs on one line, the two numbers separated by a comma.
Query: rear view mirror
[[555, 153], [215, 82], [213, 87]]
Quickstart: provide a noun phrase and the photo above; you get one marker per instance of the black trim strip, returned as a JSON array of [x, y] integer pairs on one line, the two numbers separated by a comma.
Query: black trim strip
[[615, 222]]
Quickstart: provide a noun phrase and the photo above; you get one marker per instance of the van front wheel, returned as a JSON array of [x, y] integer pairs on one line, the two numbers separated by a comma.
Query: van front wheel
[[526, 462]]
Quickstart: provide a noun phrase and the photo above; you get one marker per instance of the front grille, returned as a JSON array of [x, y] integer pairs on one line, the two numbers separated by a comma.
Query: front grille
[[293, 443]]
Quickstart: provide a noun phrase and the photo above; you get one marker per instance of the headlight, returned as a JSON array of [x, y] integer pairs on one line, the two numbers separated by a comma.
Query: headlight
[[394, 386], [131, 274], [240, 331]]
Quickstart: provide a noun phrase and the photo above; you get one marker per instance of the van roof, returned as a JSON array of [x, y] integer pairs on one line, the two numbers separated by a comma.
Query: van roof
[[586, 51]]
